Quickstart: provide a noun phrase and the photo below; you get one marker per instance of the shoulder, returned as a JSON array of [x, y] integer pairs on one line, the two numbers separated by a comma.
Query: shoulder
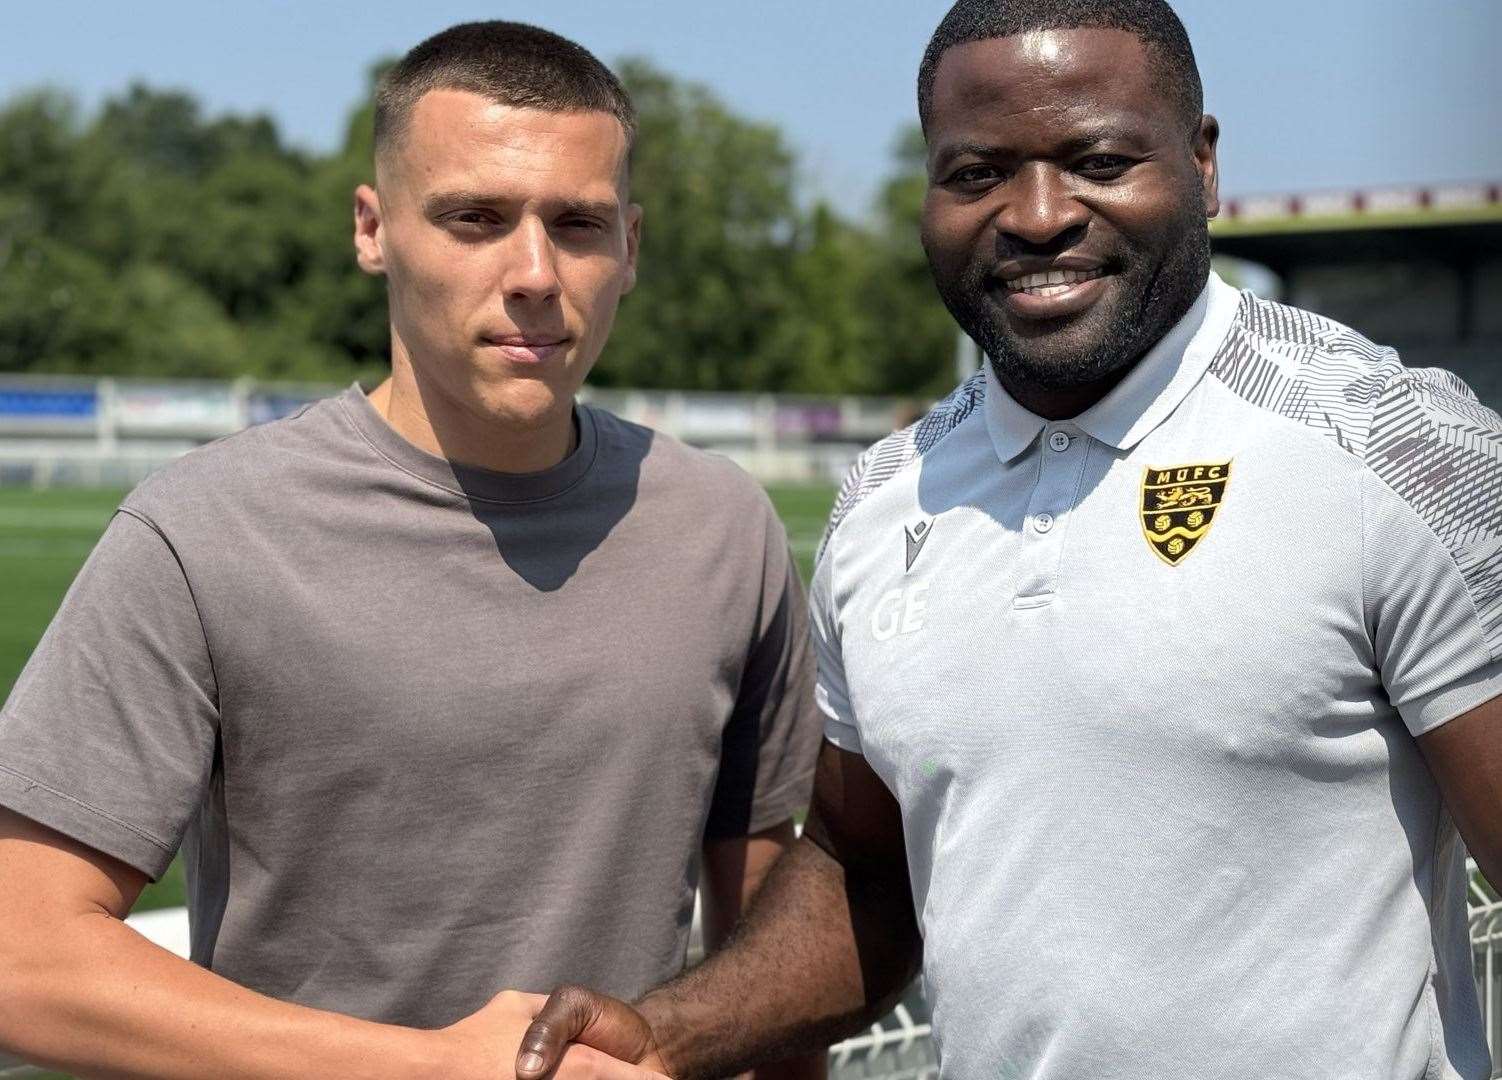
[[1422, 431], [1423, 438], [1306, 368], [236, 470], [672, 470], [891, 455], [1439, 450]]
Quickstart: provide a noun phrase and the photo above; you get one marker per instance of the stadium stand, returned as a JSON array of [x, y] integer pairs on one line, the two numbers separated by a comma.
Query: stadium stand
[[1416, 268]]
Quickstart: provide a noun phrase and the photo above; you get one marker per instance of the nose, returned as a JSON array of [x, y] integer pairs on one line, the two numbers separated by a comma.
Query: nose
[[1040, 210], [529, 271]]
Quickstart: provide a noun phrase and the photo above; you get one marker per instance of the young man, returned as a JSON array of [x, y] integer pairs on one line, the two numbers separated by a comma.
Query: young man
[[441, 691], [1190, 600]]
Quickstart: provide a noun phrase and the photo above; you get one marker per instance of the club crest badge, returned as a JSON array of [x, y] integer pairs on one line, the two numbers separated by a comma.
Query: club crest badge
[[1179, 503]]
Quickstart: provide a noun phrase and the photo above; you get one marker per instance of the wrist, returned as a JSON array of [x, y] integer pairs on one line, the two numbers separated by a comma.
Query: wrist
[[672, 1031], [426, 1055]]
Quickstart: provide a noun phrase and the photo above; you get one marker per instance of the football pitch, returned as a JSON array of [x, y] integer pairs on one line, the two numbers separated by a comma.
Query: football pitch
[[46, 535]]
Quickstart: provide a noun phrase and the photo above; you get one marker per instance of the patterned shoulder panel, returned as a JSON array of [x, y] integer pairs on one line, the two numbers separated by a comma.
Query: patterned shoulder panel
[[891, 455], [1420, 430], [1440, 449], [1305, 367]]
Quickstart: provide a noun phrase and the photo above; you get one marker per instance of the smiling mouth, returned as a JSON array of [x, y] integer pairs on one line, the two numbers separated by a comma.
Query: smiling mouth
[[1051, 282]]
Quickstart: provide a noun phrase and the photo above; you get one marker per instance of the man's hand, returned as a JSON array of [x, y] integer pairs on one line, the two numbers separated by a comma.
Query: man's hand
[[826, 947], [575, 1014], [85, 994], [483, 1043]]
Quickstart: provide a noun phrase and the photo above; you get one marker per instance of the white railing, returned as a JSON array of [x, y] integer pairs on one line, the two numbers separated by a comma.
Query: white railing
[[895, 1049], [64, 431], [1486, 941]]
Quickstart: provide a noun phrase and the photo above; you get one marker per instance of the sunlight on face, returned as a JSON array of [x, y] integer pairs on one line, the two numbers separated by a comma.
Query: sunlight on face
[[507, 242], [1045, 47]]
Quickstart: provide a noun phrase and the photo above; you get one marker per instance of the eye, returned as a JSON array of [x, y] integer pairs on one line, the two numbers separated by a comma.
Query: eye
[[972, 174], [1103, 166], [469, 221], [582, 224], [974, 177]]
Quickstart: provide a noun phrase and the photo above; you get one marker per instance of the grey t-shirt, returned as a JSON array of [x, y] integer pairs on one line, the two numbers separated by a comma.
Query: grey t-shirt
[[424, 732]]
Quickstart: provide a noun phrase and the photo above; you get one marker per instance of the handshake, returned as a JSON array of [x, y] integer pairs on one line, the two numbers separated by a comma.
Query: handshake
[[828, 945], [577, 1033], [576, 1015], [573, 1035]]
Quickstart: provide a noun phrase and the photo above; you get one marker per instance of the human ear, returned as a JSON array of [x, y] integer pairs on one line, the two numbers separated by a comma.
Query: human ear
[[1206, 138], [369, 251], [633, 244]]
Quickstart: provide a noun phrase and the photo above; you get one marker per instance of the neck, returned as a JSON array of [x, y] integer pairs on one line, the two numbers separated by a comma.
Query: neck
[[434, 422]]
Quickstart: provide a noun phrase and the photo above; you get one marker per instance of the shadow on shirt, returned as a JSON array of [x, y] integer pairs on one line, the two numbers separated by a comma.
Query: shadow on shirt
[[546, 538]]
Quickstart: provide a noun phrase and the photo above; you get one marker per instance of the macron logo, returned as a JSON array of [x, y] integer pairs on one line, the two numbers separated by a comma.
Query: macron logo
[[916, 537]]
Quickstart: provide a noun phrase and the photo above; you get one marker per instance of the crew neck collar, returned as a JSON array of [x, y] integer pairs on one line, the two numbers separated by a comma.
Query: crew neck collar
[[470, 481]]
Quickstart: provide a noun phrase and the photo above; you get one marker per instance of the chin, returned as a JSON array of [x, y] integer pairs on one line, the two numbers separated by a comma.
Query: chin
[[1060, 361], [524, 402]]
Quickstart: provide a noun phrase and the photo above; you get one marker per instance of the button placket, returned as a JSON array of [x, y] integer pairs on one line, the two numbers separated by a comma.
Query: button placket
[[1061, 462]]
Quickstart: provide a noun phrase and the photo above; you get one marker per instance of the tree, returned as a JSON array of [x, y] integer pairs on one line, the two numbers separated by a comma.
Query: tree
[[915, 355], [154, 240], [719, 218]]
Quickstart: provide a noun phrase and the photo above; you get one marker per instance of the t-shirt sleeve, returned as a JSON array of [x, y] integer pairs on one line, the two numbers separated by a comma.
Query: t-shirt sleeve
[[1432, 547], [109, 734], [830, 691], [772, 738]]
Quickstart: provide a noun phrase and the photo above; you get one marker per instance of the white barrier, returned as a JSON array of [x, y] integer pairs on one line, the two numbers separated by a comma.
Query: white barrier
[[1486, 940], [68, 432]]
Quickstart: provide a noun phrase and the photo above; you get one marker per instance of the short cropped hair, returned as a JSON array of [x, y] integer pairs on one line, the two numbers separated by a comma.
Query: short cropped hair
[[1153, 21], [508, 62]]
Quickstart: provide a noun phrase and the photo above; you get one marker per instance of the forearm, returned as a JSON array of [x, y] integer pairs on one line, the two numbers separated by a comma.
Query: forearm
[[101, 1001], [819, 955]]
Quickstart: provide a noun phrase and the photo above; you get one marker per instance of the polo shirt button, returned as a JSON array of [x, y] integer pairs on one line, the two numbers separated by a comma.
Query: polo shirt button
[[1043, 522], [1059, 441]]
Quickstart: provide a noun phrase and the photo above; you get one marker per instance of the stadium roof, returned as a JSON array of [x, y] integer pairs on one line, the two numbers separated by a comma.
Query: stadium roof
[[1450, 222]]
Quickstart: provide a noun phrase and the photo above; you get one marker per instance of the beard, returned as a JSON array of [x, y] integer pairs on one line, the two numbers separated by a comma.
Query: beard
[[1156, 286]]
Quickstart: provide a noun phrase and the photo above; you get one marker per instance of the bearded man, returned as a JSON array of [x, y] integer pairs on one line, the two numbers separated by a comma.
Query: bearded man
[[1160, 662]]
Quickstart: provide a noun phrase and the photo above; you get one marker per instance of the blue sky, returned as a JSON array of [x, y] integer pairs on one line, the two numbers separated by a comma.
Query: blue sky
[[1310, 93]]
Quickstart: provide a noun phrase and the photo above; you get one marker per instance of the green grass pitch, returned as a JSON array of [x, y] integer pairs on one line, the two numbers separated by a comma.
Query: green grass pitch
[[46, 535]]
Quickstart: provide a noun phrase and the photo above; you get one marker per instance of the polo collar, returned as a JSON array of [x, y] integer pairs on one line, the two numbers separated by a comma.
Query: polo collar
[[1148, 395]]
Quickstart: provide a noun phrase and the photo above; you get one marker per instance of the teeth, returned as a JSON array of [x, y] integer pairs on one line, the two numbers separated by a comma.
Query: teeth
[[1050, 282]]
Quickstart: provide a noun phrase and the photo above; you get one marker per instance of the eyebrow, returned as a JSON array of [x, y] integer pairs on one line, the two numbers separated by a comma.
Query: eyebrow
[[1085, 140], [444, 201]]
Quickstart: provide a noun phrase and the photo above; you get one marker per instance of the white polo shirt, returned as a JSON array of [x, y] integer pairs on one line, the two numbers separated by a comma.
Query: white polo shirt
[[1146, 685]]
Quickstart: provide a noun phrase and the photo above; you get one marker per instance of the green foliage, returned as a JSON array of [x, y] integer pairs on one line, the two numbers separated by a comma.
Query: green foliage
[[918, 351], [151, 239]]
